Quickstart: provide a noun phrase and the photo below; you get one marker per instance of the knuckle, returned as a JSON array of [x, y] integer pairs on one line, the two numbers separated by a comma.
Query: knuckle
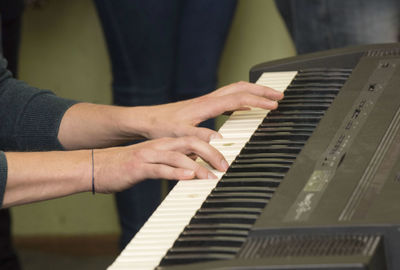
[[241, 83], [244, 99], [198, 169], [189, 140], [173, 157]]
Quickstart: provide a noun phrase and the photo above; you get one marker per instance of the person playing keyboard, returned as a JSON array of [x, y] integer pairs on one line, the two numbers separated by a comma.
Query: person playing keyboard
[[35, 123]]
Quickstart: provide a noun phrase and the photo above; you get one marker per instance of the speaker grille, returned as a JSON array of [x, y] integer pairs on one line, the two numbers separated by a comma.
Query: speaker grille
[[384, 52], [309, 245]]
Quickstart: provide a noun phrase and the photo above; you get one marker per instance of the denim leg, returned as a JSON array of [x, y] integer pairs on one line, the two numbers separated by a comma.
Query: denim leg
[[141, 37], [161, 51], [325, 24], [203, 30]]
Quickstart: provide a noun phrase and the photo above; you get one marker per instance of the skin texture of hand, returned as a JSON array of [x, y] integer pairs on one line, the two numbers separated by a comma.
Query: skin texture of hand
[[40, 176], [87, 125], [169, 158], [181, 118]]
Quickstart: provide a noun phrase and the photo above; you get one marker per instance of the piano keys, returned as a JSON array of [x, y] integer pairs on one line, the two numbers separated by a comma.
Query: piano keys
[[221, 225], [253, 215], [147, 248]]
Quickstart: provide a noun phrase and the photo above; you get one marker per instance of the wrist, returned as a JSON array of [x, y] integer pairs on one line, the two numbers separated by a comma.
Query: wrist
[[134, 122]]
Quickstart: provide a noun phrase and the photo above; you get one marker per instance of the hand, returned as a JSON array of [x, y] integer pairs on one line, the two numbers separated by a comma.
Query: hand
[[87, 125], [181, 118], [37, 176], [169, 158]]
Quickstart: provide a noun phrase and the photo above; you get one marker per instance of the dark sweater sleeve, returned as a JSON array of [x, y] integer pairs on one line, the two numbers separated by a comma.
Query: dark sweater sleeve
[[29, 119]]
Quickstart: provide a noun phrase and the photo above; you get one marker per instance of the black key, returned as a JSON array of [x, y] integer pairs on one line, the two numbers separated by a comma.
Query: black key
[[231, 202], [243, 189], [228, 181], [220, 226], [229, 218], [239, 195], [289, 125], [293, 119], [295, 112], [287, 156], [202, 250], [292, 130], [278, 161], [230, 210], [258, 168], [251, 175], [190, 258]]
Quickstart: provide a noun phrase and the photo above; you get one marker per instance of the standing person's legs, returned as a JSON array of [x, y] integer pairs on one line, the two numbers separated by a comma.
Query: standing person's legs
[[141, 39], [8, 257], [11, 13], [11, 21], [203, 29], [325, 24]]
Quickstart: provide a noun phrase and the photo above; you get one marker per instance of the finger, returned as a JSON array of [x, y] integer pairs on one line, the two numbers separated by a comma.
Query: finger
[[204, 150], [204, 134], [240, 100], [252, 88], [167, 172], [193, 145], [179, 160]]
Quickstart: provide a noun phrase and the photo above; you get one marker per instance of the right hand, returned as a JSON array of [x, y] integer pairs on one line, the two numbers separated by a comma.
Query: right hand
[[119, 168]]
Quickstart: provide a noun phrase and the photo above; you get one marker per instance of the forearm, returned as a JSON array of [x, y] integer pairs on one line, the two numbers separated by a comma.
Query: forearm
[[38, 176], [86, 125]]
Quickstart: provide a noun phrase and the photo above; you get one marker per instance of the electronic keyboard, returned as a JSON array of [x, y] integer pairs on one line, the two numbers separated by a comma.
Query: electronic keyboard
[[314, 184]]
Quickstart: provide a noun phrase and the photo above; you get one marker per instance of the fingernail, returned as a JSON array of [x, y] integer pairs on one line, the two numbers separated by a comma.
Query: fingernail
[[212, 176], [188, 173], [215, 135], [224, 164], [273, 104]]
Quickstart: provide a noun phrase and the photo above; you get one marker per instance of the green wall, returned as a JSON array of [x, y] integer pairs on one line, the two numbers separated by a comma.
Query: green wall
[[63, 50]]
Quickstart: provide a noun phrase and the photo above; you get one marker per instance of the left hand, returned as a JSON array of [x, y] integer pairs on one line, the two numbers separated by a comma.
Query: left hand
[[86, 125], [181, 118]]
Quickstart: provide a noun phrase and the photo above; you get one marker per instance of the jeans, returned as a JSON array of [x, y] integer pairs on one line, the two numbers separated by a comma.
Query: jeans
[[325, 24], [161, 51]]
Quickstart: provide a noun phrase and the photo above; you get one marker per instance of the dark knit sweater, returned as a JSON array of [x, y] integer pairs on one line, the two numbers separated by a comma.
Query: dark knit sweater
[[29, 119]]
